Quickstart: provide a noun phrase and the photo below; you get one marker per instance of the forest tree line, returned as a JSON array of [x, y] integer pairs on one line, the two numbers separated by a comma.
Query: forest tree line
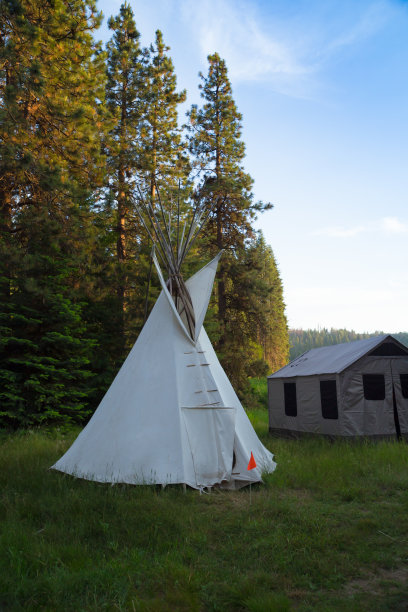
[[302, 340], [86, 131]]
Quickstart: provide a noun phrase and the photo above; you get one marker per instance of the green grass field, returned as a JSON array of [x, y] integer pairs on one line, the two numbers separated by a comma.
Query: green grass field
[[327, 531]]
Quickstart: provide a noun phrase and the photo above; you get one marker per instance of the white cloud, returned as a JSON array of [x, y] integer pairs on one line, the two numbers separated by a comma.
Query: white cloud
[[287, 53], [392, 225], [287, 45], [341, 232], [233, 29], [389, 225]]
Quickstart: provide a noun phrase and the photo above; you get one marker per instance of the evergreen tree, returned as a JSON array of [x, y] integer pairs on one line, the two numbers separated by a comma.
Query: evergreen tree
[[218, 153], [164, 159], [44, 349], [215, 142], [402, 337], [124, 101], [144, 146], [257, 331], [50, 85], [272, 326], [51, 89], [304, 340]]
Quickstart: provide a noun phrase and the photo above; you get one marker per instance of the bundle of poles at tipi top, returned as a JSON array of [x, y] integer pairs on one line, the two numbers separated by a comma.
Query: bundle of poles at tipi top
[[172, 239]]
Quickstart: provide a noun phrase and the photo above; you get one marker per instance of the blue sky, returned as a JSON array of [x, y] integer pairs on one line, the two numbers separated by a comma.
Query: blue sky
[[323, 89]]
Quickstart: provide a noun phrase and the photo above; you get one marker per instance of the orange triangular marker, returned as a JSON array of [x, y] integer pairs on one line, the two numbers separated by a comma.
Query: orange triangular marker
[[252, 463]]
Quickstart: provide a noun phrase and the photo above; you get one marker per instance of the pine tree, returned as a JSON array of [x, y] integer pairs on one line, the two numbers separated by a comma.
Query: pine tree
[[257, 332], [163, 164], [218, 153], [49, 86], [44, 349], [272, 326], [51, 90], [164, 159], [144, 146], [215, 142], [304, 340], [124, 102]]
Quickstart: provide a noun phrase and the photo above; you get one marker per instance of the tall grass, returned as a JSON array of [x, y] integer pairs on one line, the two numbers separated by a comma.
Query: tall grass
[[328, 530]]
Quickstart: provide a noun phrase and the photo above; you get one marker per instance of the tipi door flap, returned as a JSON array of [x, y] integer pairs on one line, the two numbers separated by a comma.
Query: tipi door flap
[[210, 433]]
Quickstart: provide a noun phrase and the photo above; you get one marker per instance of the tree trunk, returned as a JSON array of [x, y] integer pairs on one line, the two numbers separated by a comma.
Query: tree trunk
[[121, 255], [121, 227], [154, 162], [222, 301], [5, 231]]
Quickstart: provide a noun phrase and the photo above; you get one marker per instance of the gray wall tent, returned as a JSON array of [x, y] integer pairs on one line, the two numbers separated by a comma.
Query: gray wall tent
[[354, 389]]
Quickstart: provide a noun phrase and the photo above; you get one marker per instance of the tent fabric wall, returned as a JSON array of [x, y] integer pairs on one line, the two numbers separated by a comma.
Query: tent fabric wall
[[309, 413], [363, 416], [399, 368], [357, 415]]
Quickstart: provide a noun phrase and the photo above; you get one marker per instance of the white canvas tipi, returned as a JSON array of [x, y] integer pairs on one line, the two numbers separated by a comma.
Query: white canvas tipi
[[171, 415]]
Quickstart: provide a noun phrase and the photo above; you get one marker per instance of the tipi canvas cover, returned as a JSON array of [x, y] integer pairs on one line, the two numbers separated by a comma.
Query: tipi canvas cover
[[353, 389], [171, 414]]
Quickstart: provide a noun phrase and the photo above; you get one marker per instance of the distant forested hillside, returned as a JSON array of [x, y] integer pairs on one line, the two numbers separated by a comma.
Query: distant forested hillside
[[302, 340]]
